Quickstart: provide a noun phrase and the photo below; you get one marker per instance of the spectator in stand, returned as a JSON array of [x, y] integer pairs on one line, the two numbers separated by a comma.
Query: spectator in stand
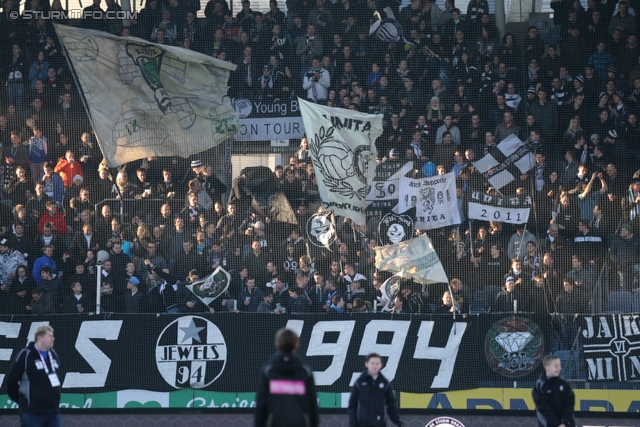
[[38, 145], [631, 204], [448, 126], [316, 81], [518, 242], [76, 301], [55, 219], [250, 297], [584, 274], [446, 306], [68, 168], [16, 301], [134, 299], [83, 241], [150, 262], [625, 250], [510, 298], [17, 190]]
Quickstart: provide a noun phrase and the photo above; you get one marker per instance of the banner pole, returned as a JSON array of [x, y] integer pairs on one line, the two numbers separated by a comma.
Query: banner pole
[[98, 286]]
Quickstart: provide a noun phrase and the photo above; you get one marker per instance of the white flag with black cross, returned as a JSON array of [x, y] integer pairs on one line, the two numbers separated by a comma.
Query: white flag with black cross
[[513, 157]]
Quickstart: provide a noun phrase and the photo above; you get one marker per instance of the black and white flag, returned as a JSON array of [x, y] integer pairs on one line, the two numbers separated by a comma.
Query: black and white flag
[[512, 158], [321, 229], [383, 196], [434, 198], [387, 28], [512, 209], [211, 287], [343, 152], [395, 228]]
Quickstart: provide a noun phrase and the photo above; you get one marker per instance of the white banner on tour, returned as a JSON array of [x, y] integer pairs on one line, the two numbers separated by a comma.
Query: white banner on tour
[[434, 198]]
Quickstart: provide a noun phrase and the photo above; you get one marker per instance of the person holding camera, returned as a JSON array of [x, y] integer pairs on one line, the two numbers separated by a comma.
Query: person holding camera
[[308, 47], [316, 82]]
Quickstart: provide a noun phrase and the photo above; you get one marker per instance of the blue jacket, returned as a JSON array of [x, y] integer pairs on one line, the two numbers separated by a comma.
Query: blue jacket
[[43, 261], [35, 74], [38, 149], [58, 187]]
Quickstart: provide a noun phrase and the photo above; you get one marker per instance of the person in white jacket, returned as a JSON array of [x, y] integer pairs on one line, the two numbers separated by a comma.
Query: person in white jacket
[[316, 82], [10, 259]]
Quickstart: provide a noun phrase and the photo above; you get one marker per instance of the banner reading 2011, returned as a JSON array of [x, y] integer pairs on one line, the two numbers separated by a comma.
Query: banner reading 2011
[[434, 198]]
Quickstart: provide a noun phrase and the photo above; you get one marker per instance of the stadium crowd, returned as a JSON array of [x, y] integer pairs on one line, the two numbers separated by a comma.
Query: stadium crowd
[[449, 94]]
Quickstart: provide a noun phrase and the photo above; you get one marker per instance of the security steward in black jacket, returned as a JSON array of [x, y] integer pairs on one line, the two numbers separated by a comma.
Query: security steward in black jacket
[[554, 398], [33, 380], [372, 398]]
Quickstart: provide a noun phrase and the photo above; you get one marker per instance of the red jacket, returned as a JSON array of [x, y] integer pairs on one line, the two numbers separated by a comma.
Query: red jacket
[[57, 221], [68, 171]]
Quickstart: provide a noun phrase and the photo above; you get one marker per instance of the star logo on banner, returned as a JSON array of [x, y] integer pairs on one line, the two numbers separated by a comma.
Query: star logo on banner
[[191, 332]]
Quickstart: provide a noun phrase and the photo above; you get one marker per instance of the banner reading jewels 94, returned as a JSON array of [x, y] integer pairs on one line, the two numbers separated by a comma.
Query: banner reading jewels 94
[[434, 198]]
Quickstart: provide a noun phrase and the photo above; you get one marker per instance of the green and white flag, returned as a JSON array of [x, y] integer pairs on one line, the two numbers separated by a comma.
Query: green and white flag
[[343, 152], [145, 99], [212, 286], [415, 259]]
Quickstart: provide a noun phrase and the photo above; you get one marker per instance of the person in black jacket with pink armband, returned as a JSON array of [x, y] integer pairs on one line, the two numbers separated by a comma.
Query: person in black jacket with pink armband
[[372, 398], [286, 395]]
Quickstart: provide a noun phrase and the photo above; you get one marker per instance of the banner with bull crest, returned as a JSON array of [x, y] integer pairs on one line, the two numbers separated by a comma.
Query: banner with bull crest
[[343, 152]]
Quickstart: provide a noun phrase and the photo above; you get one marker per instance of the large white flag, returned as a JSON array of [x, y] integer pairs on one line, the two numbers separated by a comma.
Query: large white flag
[[512, 158], [434, 198], [343, 151], [145, 99], [415, 258]]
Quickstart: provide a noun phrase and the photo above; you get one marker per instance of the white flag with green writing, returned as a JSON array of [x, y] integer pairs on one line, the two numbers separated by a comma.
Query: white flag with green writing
[[415, 258]]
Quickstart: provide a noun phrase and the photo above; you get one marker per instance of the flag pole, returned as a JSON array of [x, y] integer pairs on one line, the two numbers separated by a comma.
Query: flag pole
[[76, 82], [470, 238]]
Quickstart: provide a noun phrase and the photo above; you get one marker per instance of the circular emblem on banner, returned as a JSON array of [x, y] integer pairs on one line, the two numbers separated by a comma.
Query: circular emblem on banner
[[394, 228], [514, 346], [320, 229], [444, 422], [191, 353], [243, 107]]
